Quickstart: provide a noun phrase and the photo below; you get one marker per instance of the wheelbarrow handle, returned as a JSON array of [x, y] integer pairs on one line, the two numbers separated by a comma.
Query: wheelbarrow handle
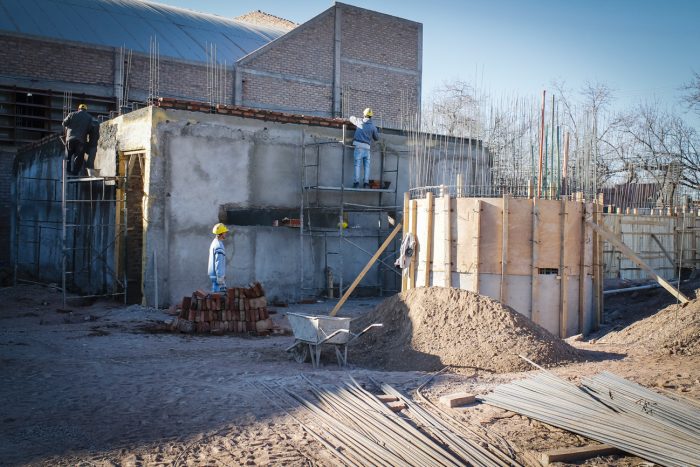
[[332, 335], [375, 325]]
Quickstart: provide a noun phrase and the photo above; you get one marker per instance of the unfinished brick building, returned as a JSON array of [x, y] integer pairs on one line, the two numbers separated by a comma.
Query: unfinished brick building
[[125, 53]]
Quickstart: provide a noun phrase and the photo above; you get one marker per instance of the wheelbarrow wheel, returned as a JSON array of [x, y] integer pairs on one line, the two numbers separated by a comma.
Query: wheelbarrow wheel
[[301, 353]]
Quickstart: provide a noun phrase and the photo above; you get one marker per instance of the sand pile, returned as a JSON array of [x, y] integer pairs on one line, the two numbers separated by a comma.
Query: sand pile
[[674, 330], [428, 328]]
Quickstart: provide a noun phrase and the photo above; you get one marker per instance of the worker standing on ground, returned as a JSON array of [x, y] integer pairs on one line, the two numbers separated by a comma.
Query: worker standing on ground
[[365, 133], [217, 259], [77, 124]]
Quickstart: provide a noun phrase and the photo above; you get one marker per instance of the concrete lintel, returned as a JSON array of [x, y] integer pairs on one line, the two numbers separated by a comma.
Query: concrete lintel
[[405, 71], [285, 77]]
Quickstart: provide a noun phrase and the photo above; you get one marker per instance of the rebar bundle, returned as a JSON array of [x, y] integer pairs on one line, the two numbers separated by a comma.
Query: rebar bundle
[[611, 410], [359, 429]]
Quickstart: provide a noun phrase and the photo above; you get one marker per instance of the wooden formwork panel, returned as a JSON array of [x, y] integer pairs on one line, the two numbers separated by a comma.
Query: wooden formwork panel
[[465, 235], [661, 241], [519, 237], [540, 262]]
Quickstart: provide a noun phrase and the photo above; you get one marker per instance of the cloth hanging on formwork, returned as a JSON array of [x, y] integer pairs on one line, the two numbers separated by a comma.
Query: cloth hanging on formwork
[[408, 248]]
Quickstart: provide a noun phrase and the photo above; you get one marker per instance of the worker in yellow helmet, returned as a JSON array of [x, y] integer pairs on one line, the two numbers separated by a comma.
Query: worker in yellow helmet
[[217, 259], [365, 133]]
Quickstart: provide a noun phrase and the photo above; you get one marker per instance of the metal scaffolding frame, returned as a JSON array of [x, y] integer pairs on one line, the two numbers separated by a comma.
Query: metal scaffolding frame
[[312, 200], [85, 233]]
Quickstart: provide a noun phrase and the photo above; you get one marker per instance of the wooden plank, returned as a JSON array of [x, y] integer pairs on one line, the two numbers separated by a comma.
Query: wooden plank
[[582, 269], [663, 250], [429, 239], [448, 238], [610, 237], [535, 297], [457, 399], [563, 286], [365, 269], [414, 259], [478, 245], [406, 201], [578, 453], [489, 235], [599, 273], [504, 249]]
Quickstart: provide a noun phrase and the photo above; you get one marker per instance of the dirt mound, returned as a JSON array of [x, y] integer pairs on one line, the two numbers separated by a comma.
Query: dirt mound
[[675, 330], [428, 328]]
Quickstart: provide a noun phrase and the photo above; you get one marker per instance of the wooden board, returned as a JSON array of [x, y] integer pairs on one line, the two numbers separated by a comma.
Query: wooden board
[[466, 231], [490, 235], [577, 453], [520, 237]]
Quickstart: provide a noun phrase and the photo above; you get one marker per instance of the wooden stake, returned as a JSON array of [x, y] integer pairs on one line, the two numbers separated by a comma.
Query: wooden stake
[[414, 258], [535, 274], [429, 240], [406, 201], [448, 239], [504, 249], [365, 269], [563, 286]]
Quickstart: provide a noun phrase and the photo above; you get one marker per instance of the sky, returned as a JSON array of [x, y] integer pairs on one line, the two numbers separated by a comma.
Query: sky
[[644, 50]]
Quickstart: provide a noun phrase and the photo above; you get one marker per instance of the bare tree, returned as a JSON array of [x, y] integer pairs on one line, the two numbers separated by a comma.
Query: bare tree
[[452, 109], [692, 89]]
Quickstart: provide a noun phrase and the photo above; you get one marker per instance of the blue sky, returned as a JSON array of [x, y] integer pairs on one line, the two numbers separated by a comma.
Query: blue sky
[[645, 50]]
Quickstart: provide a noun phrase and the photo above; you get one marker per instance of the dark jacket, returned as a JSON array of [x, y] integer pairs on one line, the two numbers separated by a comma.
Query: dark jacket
[[78, 124]]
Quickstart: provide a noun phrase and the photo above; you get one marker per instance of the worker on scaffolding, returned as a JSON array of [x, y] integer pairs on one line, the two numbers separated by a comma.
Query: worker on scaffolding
[[91, 146], [217, 259], [365, 133], [77, 125]]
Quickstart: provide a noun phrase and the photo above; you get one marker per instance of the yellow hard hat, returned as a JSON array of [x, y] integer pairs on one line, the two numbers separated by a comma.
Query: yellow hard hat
[[368, 112], [219, 229], [82, 107]]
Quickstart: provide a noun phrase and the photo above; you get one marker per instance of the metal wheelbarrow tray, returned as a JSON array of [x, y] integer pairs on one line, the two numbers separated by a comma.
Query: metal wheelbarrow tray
[[312, 331]]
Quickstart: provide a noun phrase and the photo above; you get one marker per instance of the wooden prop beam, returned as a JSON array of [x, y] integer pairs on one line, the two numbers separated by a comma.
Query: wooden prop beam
[[369, 264], [627, 251]]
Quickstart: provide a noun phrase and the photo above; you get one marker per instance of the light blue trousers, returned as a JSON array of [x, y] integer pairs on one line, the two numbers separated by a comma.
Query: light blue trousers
[[361, 159]]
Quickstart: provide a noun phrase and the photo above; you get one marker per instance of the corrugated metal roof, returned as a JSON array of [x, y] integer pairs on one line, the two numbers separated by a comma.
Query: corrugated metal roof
[[181, 33]]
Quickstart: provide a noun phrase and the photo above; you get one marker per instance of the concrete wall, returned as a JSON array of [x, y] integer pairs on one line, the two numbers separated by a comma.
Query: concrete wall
[[198, 165]]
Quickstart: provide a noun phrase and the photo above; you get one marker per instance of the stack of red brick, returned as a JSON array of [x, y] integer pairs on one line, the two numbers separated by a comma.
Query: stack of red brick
[[238, 310]]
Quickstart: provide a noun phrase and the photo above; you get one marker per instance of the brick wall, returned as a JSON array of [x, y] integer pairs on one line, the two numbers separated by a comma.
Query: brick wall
[[271, 93], [390, 83], [55, 61], [379, 66], [6, 205], [306, 52], [379, 38], [77, 64]]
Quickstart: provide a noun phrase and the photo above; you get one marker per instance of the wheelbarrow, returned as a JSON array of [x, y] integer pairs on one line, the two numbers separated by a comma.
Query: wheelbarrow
[[311, 332]]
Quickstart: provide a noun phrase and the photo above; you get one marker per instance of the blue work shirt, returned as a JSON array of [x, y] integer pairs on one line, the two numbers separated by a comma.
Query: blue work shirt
[[366, 131]]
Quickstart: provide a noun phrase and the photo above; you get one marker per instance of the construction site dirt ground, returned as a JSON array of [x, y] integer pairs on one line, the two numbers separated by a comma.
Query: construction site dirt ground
[[100, 385]]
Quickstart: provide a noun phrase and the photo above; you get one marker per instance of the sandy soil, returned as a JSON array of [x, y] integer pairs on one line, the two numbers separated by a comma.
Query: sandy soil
[[94, 387]]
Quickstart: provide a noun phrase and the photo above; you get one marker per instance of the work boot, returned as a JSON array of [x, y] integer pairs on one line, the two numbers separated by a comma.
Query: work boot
[[356, 185], [366, 185]]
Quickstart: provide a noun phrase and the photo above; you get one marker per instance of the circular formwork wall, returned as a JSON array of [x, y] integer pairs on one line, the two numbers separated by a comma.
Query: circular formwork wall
[[534, 255]]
